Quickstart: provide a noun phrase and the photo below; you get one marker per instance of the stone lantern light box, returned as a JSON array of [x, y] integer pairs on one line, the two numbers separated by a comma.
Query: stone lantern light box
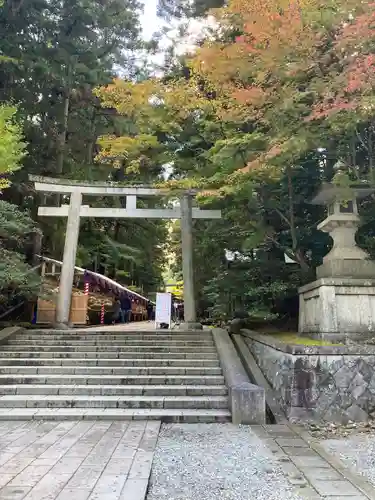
[[341, 302]]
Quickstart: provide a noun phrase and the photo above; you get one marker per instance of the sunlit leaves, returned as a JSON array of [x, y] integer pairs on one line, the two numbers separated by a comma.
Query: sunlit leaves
[[12, 147], [115, 150]]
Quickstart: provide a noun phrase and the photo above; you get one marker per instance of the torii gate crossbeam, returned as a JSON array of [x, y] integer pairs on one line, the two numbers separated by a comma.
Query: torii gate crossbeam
[[76, 210]]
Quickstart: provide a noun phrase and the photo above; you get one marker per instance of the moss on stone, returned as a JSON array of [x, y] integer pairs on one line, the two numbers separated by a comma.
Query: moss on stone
[[295, 339]]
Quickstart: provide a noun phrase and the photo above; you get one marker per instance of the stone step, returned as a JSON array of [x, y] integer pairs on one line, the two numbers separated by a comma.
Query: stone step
[[110, 348], [114, 390], [120, 343], [15, 379], [105, 337], [108, 355], [185, 415], [66, 401], [100, 370], [109, 374], [107, 362], [115, 331]]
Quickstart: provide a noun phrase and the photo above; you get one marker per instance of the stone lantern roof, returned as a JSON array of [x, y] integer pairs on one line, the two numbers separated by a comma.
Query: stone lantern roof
[[329, 193]]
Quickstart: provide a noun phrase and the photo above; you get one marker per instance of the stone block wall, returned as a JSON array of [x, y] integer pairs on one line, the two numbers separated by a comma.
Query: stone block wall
[[331, 383]]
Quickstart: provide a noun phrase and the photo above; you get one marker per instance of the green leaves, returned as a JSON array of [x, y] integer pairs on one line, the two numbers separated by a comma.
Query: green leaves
[[233, 152], [12, 146], [116, 251], [15, 274], [15, 225], [180, 8]]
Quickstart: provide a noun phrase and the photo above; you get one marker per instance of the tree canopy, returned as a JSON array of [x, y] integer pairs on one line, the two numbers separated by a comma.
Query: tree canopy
[[180, 8], [258, 115], [52, 57]]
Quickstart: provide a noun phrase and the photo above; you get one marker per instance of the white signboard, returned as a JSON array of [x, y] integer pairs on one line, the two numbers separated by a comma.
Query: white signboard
[[163, 309], [288, 260]]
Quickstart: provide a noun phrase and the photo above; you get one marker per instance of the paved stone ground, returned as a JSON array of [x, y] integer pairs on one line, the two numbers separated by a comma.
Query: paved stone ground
[[76, 460], [357, 452], [120, 327], [109, 460], [315, 473]]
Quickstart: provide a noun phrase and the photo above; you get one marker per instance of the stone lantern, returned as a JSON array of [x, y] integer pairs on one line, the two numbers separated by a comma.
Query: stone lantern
[[345, 259], [341, 302]]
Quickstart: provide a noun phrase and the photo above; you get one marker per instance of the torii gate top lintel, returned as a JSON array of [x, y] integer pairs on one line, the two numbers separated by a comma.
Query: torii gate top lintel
[[131, 193], [67, 186]]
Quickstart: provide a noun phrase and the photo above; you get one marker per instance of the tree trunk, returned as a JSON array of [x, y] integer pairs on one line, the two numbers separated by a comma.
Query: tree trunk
[[61, 139], [371, 155], [36, 247], [296, 251], [60, 150], [354, 151], [291, 209]]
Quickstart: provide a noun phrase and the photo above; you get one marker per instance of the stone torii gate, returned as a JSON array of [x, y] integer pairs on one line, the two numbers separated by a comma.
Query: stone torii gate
[[75, 210]]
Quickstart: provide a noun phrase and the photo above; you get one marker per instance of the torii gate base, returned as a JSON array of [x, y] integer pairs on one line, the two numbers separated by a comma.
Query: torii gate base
[[76, 210]]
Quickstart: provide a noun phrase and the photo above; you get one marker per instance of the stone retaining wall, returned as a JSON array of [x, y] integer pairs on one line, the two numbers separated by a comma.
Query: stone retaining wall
[[332, 383]]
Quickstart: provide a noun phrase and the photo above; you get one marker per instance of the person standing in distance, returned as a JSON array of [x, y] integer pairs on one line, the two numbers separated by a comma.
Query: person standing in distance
[[126, 307]]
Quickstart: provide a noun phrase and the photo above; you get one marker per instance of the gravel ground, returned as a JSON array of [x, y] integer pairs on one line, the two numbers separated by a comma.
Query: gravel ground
[[215, 462], [356, 452]]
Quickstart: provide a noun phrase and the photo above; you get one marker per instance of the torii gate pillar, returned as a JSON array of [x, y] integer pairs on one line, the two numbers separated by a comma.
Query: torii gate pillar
[[190, 312], [69, 260]]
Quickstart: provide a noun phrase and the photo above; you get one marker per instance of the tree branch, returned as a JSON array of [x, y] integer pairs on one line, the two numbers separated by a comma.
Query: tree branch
[[291, 209], [283, 217], [361, 140]]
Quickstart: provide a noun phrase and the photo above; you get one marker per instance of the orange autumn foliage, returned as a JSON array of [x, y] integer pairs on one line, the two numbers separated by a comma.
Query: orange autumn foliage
[[275, 72], [288, 49]]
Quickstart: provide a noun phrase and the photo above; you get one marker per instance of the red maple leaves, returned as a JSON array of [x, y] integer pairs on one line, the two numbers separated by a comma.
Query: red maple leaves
[[358, 31], [354, 74], [360, 74]]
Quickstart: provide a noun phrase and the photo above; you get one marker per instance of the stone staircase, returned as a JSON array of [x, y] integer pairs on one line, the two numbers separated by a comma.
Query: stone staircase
[[172, 376]]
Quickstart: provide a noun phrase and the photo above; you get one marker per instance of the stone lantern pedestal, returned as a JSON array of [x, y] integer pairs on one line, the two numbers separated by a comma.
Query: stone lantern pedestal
[[341, 302]]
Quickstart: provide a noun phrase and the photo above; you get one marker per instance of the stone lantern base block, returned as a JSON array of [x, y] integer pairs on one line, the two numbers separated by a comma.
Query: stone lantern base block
[[347, 268], [337, 308]]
